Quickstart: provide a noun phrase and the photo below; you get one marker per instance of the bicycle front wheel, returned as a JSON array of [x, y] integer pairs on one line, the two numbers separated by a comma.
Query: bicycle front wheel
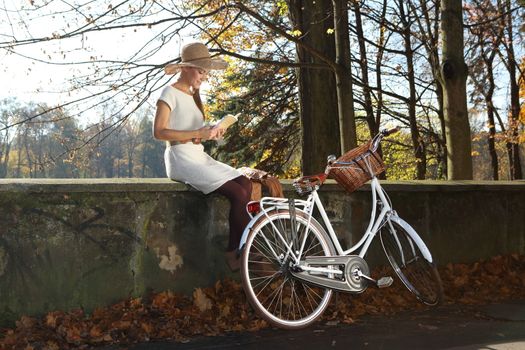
[[273, 292], [405, 255]]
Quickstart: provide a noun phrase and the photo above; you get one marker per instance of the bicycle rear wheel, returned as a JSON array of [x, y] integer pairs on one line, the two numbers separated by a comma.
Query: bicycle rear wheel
[[405, 255], [273, 292]]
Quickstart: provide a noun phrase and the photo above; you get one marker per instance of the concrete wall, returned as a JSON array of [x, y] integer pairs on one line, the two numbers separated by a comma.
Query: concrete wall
[[88, 243]]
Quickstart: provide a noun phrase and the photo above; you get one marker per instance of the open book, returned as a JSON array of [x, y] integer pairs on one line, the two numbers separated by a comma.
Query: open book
[[227, 120]]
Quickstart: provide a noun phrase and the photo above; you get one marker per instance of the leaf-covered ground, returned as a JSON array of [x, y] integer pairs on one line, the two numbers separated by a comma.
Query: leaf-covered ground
[[223, 308]]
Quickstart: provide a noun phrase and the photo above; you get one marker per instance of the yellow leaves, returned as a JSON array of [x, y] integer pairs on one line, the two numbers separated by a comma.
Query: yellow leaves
[[522, 113], [283, 7], [283, 70], [400, 160], [521, 137], [265, 155], [330, 31], [293, 172], [295, 33], [521, 82], [476, 137]]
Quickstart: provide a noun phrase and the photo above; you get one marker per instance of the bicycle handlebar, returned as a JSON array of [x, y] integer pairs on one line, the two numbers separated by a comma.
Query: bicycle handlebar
[[388, 132]]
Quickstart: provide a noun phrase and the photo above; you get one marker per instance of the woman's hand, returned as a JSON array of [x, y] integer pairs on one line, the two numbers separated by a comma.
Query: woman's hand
[[219, 132], [210, 133]]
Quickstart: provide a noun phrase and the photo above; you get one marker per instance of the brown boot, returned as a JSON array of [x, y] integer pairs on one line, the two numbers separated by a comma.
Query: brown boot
[[233, 260]]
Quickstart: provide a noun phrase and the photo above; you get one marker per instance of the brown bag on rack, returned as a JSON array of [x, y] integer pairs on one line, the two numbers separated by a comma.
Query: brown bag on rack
[[259, 177], [273, 185]]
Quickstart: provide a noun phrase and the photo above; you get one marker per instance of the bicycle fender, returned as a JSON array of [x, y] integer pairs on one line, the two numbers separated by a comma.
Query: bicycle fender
[[248, 228], [421, 245]]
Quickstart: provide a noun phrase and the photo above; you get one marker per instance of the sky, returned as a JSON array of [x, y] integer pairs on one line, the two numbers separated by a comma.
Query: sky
[[27, 79], [23, 77]]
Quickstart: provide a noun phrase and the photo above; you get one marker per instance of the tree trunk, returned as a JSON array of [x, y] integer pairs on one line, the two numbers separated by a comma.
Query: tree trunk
[[4, 159], [487, 55], [343, 76], [453, 75], [491, 140], [428, 28], [317, 87], [514, 149], [363, 63], [417, 141], [381, 42], [28, 157], [442, 142]]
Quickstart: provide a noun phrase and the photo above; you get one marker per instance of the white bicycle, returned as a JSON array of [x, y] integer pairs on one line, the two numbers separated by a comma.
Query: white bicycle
[[290, 265]]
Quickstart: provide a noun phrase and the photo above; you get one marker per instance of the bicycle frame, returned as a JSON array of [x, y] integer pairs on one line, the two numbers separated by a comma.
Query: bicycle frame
[[373, 226]]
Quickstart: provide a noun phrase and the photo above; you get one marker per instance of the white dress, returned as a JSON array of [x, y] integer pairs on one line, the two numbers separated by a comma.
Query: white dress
[[188, 162]]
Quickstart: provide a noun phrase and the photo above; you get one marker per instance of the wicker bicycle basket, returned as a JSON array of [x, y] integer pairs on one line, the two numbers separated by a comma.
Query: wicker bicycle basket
[[363, 161]]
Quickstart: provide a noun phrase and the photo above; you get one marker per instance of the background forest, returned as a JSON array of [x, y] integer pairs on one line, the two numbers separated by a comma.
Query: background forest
[[302, 93]]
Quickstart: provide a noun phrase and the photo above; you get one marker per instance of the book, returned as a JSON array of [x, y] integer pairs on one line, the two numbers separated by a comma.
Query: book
[[227, 121]]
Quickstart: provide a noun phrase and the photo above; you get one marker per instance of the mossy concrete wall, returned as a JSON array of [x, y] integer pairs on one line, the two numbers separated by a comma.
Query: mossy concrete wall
[[86, 243]]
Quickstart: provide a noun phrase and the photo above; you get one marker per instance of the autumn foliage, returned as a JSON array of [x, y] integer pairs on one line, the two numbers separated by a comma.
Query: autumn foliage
[[223, 308]]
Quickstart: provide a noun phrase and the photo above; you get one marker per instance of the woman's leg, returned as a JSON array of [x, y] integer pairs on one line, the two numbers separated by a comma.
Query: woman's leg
[[238, 191]]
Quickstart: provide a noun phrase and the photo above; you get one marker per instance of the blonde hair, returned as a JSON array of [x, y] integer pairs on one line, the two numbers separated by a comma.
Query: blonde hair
[[198, 102]]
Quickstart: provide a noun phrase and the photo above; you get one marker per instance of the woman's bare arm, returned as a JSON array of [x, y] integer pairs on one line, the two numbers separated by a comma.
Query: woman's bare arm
[[161, 131]]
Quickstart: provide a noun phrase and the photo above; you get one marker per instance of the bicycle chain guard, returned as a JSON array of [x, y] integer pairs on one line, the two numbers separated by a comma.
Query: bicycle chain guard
[[351, 264]]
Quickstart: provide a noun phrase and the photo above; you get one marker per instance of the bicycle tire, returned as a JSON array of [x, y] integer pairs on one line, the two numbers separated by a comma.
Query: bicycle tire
[[273, 292], [404, 252]]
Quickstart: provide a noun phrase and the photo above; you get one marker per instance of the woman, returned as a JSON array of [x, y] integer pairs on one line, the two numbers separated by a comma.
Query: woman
[[180, 121]]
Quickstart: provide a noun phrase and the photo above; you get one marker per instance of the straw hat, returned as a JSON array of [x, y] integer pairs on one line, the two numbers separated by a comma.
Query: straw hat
[[196, 55]]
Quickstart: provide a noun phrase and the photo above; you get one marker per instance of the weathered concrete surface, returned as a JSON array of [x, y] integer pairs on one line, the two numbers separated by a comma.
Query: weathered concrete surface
[[86, 243]]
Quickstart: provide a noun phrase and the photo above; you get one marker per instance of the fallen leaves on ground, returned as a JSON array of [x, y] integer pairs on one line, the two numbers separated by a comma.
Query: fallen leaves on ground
[[224, 308]]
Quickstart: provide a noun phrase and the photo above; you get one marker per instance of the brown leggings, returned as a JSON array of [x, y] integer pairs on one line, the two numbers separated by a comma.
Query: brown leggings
[[238, 191]]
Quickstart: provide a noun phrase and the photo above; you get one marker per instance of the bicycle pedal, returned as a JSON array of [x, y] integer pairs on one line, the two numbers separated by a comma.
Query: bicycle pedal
[[385, 282]]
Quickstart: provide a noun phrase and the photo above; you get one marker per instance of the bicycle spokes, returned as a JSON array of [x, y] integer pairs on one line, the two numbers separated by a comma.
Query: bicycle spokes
[[268, 260]]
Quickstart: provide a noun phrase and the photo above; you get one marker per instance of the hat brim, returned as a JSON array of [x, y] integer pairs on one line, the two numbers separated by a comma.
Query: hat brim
[[207, 63]]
